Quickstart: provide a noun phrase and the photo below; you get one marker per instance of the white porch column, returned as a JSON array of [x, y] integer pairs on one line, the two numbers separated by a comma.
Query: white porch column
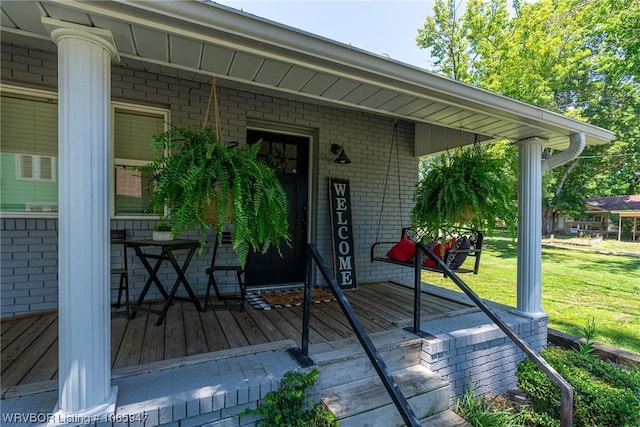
[[529, 297], [619, 228], [84, 326]]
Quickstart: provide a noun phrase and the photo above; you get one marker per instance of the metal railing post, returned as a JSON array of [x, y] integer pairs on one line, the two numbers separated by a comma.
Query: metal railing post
[[417, 288], [306, 313]]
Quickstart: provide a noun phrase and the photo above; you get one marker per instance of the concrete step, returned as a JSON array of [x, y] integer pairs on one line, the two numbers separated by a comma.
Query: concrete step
[[366, 402], [344, 361]]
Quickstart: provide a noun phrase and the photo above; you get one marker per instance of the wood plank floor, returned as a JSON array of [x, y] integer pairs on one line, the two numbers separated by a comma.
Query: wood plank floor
[[29, 345]]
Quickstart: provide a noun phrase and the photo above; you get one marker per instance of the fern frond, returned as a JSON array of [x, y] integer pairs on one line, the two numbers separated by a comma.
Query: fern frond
[[194, 170], [465, 180]]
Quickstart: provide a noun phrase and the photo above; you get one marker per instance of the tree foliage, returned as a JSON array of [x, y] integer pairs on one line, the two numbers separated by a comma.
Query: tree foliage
[[444, 34], [580, 58]]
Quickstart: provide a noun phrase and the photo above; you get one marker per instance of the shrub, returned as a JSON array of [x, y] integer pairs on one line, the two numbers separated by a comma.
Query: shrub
[[291, 404], [603, 394], [540, 419], [480, 413]]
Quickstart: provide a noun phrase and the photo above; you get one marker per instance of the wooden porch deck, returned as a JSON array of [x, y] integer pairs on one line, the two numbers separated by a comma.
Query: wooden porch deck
[[29, 345]]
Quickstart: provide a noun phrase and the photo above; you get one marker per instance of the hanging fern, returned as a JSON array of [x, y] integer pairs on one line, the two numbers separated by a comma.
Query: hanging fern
[[193, 171], [467, 187]]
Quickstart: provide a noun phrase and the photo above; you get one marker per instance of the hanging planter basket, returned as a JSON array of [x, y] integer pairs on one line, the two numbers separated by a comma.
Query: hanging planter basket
[[205, 184], [464, 214], [212, 210], [466, 187]]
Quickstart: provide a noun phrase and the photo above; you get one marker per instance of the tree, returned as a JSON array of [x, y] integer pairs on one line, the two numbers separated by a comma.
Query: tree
[[445, 36], [614, 99], [576, 57]]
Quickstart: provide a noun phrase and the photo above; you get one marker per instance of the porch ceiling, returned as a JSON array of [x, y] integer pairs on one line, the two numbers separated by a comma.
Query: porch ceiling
[[195, 40]]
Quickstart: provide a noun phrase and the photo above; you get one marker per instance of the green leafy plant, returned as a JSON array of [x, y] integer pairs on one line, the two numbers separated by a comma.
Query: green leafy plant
[[478, 412], [604, 394], [205, 183], [291, 404], [589, 332], [469, 186], [277, 158], [163, 225]]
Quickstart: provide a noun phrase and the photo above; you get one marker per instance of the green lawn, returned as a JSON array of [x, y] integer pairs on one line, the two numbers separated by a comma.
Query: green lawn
[[609, 245], [576, 286]]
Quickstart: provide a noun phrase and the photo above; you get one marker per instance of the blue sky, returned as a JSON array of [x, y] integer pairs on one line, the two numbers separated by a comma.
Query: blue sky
[[386, 27]]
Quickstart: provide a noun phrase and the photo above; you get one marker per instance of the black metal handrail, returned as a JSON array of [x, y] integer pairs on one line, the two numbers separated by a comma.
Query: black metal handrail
[[566, 391], [381, 368]]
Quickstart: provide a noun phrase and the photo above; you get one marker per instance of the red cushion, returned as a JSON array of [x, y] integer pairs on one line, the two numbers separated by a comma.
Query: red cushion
[[403, 251], [440, 250]]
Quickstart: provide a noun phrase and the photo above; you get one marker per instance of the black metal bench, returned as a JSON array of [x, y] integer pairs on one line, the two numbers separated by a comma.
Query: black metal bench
[[431, 239]]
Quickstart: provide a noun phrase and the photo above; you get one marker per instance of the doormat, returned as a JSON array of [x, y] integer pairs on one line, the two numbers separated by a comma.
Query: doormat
[[266, 300]]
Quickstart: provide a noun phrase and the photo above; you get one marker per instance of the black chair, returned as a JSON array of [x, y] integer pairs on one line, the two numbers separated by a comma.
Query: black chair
[[226, 239], [118, 238]]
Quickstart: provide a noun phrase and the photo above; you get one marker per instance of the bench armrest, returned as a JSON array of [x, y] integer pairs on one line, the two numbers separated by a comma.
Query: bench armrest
[[373, 247]]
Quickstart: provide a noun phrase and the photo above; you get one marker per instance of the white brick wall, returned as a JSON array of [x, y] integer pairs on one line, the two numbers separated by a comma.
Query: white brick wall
[[29, 247]]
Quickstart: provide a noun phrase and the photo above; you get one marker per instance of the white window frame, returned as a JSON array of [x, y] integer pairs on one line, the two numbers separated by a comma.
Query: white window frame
[[38, 93]]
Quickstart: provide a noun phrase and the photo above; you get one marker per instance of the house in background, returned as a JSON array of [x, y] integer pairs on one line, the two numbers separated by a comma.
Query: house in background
[[597, 218], [84, 86]]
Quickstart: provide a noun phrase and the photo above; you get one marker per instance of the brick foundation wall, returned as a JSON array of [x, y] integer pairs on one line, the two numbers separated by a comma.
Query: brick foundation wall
[[29, 245], [471, 352]]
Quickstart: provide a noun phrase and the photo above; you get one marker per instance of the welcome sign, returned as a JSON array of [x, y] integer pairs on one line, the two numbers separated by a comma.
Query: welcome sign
[[342, 233]]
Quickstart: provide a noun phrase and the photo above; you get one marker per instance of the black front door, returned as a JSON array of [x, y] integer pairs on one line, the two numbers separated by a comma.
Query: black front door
[[288, 155]]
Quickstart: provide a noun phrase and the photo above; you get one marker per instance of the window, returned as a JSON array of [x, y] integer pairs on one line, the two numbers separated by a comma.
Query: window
[[32, 167], [133, 130], [588, 217], [29, 153]]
